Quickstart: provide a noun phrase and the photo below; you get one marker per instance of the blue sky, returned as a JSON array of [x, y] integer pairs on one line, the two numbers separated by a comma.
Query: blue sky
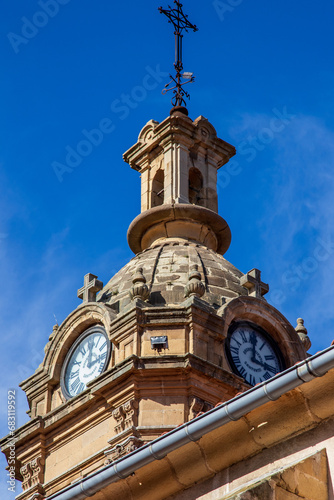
[[264, 78]]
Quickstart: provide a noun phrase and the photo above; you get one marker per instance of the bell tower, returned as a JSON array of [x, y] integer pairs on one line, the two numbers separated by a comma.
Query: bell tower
[[177, 331], [178, 160]]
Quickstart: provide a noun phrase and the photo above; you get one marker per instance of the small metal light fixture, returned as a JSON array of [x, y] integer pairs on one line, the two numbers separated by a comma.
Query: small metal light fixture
[[187, 75], [159, 343]]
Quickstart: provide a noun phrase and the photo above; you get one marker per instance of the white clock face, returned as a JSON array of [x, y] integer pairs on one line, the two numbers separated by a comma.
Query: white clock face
[[252, 354], [86, 360]]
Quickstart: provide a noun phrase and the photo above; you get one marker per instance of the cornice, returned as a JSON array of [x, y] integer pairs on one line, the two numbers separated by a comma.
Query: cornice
[[214, 231], [178, 128]]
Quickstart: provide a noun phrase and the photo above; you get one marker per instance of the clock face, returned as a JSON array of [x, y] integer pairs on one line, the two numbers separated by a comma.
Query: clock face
[[252, 354], [87, 358]]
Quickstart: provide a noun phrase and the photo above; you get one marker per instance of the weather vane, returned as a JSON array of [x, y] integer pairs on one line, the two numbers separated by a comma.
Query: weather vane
[[180, 23]]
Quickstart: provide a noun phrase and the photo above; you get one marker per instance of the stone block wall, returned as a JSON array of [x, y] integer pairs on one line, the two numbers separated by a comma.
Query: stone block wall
[[305, 480]]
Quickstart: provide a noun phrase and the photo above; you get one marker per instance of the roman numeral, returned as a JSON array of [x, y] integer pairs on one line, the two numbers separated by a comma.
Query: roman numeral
[[236, 341], [81, 387], [75, 384], [242, 372], [243, 336], [103, 355], [269, 357], [83, 350], [262, 346], [251, 379], [266, 376], [238, 366], [74, 374], [271, 369], [103, 345], [235, 350]]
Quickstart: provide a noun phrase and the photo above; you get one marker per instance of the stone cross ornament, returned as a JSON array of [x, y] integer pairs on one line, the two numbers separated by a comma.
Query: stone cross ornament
[[252, 281], [91, 286]]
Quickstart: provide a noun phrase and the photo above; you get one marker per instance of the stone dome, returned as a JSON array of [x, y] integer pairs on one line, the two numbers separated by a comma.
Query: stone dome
[[166, 267]]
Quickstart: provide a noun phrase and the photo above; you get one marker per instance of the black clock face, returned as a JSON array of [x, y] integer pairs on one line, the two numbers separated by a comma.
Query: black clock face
[[252, 353], [87, 358]]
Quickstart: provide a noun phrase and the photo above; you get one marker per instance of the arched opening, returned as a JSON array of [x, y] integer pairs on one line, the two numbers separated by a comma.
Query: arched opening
[[157, 196], [195, 186]]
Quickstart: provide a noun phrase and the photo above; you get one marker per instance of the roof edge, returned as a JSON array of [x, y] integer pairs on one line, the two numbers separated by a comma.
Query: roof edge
[[303, 372]]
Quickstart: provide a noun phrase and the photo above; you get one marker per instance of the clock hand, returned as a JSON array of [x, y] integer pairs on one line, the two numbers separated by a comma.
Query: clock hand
[[254, 360], [253, 341], [267, 367], [96, 360], [90, 346]]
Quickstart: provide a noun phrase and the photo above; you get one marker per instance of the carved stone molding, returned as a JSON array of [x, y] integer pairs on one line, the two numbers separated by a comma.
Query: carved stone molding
[[198, 405], [38, 493], [26, 474], [118, 415], [126, 416], [37, 467], [131, 413], [33, 473], [130, 444]]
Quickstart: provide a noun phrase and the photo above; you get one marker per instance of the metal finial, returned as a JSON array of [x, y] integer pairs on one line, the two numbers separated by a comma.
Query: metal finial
[[180, 22]]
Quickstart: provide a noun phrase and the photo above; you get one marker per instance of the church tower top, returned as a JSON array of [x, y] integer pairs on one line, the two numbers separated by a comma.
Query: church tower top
[[178, 160]]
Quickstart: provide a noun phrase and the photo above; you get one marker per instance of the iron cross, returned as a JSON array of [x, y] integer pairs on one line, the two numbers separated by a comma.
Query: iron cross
[[181, 23]]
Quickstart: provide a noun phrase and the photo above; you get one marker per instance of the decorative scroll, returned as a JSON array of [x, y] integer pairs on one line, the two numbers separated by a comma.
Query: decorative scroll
[[33, 473], [132, 443], [126, 416]]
